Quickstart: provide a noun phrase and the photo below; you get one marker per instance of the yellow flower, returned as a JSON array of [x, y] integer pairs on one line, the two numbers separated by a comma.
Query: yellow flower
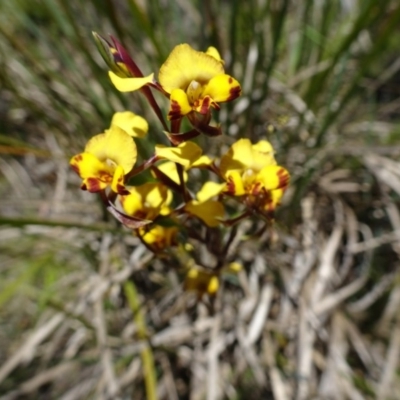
[[107, 158], [201, 282], [147, 201], [251, 170], [196, 81], [134, 125], [159, 237]]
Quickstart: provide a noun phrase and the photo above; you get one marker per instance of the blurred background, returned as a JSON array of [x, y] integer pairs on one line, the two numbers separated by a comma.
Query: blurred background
[[86, 312]]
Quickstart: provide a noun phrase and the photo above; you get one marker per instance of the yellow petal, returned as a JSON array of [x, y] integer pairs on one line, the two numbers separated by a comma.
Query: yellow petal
[[169, 169], [263, 155], [146, 201], [202, 162], [87, 165], [274, 200], [185, 154], [213, 52], [132, 203], [273, 177], [95, 174], [185, 65], [210, 212], [117, 184], [129, 84], [209, 190], [134, 125], [160, 237], [179, 104], [114, 146], [222, 88], [234, 184], [237, 158]]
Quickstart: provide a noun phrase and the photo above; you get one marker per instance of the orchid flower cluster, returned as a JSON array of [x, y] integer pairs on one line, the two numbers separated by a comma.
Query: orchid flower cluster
[[168, 210]]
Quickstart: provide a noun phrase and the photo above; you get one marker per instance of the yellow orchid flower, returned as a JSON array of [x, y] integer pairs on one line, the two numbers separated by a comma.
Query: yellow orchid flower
[[107, 158], [196, 81], [147, 201], [134, 125], [251, 170], [159, 237]]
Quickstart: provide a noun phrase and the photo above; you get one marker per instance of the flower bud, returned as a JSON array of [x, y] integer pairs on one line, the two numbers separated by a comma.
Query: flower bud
[[111, 56]]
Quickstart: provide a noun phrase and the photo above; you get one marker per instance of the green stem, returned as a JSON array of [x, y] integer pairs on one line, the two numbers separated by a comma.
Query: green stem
[[146, 354]]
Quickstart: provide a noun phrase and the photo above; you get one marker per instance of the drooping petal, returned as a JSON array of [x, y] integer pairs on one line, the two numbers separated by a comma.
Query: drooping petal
[[129, 84], [134, 125], [209, 190], [179, 104], [185, 154], [185, 65], [210, 212], [222, 88], [114, 146]]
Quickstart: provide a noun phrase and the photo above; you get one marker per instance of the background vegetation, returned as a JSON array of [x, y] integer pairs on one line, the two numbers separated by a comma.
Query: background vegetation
[[87, 313]]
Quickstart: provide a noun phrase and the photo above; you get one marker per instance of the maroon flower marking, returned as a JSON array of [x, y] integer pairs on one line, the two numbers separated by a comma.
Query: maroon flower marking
[[234, 93], [205, 106], [175, 110], [93, 185], [230, 186], [283, 177]]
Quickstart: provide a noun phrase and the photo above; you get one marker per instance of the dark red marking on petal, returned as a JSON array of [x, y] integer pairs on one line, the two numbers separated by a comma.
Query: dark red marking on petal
[[230, 186], [93, 185], [230, 80], [122, 190], [283, 177], [205, 106], [256, 189], [175, 110], [234, 93]]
